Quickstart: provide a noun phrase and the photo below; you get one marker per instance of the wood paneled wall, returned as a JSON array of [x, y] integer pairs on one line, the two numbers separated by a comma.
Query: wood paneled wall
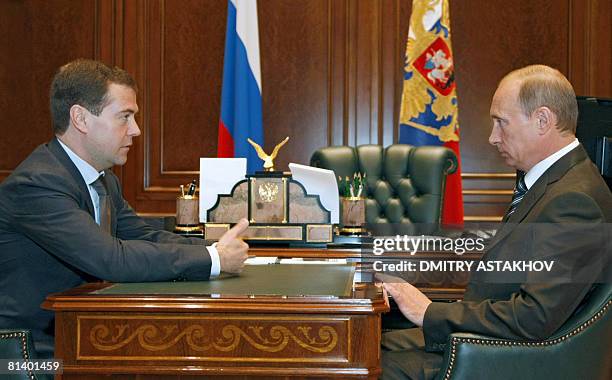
[[331, 73]]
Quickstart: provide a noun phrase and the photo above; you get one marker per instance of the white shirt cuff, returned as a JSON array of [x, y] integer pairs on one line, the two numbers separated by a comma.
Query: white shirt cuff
[[215, 268]]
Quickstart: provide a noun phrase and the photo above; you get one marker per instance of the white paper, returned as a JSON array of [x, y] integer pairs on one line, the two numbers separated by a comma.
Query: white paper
[[261, 260], [218, 176], [313, 262], [320, 182]]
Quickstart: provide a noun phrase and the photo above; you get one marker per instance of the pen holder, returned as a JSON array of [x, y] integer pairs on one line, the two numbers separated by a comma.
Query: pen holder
[[353, 215], [187, 214]]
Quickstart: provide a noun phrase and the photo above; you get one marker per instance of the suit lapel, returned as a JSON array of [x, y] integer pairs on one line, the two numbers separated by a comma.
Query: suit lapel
[[535, 193], [56, 149]]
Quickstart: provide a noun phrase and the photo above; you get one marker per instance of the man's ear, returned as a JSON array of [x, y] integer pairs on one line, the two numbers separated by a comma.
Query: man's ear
[[79, 118], [545, 119]]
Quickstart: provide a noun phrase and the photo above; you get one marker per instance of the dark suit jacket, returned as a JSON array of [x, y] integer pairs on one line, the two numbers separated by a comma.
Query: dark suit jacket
[[50, 242], [570, 193]]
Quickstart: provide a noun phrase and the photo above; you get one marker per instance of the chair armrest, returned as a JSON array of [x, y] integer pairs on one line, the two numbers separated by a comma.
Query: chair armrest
[[17, 344], [578, 350], [472, 356]]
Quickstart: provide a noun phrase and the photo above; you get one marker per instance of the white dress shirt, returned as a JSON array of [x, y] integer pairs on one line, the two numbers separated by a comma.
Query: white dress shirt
[[538, 169], [90, 175]]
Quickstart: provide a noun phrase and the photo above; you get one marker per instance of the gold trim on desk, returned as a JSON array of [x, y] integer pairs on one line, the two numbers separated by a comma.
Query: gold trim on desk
[[326, 332]]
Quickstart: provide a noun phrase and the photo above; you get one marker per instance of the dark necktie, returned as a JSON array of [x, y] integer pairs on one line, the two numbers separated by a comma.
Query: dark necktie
[[104, 204], [520, 190]]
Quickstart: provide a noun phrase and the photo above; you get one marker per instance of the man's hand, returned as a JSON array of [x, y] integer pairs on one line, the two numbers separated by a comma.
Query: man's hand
[[412, 303], [232, 250]]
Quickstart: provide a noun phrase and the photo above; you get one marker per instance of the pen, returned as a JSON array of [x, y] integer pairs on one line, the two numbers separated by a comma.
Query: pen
[[183, 191], [192, 188]]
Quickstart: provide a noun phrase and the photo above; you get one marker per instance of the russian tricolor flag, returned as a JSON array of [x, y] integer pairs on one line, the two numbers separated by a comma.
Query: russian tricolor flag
[[241, 116]]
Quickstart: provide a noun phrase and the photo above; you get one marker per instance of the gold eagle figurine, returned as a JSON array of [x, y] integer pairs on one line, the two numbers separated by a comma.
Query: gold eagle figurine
[[267, 159]]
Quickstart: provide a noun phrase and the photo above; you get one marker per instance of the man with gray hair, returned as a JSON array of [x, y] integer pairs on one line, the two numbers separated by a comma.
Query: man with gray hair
[[534, 112]]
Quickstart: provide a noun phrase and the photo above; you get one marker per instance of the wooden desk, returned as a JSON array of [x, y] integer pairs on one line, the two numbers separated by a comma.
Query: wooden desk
[[162, 336]]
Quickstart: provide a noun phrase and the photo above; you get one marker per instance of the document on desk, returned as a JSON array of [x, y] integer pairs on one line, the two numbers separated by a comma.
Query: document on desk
[[320, 182], [312, 261], [261, 260], [218, 176], [276, 260]]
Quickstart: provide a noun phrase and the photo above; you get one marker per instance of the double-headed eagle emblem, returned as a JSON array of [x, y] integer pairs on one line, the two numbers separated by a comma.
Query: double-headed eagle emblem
[[267, 159], [268, 192]]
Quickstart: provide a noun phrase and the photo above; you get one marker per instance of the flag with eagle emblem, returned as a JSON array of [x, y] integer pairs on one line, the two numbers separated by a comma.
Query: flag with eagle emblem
[[428, 114]]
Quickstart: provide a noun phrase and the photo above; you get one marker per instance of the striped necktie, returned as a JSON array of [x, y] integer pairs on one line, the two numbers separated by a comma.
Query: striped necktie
[[519, 192], [104, 211]]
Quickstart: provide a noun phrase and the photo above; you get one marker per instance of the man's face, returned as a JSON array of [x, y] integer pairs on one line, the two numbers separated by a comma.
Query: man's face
[[110, 134], [513, 134]]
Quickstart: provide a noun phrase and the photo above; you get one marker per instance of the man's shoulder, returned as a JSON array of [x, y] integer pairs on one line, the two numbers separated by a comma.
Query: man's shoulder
[[581, 187], [584, 178], [42, 167]]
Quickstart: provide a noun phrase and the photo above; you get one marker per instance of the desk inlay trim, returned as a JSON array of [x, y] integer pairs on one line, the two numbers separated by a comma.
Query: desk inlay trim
[[294, 339]]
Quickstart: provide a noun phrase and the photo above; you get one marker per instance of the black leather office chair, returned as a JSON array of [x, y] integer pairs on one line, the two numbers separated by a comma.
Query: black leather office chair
[[581, 349], [405, 184], [16, 344]]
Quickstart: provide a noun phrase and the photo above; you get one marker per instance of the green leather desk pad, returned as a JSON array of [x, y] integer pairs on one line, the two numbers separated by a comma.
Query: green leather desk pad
[[272, 279]]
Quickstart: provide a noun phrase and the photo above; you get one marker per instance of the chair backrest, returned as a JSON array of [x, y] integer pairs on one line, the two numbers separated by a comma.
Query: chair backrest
[[405, 184]]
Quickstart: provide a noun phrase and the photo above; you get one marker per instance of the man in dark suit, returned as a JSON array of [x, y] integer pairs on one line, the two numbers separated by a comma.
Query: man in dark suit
[[559, 193], [63, 220]]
